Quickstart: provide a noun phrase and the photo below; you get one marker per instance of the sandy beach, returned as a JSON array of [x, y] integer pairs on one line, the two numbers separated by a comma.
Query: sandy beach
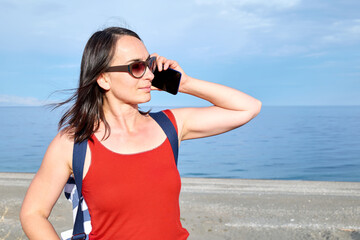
[[218, 209]]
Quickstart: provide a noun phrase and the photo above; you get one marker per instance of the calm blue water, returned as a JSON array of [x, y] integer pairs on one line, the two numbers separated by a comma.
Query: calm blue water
[[305, 143]]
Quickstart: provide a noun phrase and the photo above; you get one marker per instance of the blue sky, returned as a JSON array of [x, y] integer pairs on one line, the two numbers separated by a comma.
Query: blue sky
[[283, 52]]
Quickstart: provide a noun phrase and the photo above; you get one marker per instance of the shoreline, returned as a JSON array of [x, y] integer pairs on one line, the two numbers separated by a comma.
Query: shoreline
[[215, 209], [225, 178]]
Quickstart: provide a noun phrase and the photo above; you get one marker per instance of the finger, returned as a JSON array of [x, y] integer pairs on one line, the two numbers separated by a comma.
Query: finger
[[170, 64], [155, 88], [173, 64], [161, 61], [154, 55], [166, 65]]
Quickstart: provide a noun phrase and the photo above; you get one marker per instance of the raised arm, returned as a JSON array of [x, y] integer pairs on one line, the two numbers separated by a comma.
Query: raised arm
[[45, 189], [231, 108]]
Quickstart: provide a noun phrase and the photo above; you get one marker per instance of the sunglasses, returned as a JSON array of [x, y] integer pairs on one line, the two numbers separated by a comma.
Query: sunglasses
[[137, 69]]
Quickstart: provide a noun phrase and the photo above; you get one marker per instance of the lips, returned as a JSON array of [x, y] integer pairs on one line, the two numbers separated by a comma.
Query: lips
[[146, 88]]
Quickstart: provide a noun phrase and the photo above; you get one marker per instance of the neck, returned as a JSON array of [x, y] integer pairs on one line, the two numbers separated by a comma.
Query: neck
[[121, 117]]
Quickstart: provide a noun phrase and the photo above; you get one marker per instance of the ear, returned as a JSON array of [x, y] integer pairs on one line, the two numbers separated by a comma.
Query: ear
[[104, 81]]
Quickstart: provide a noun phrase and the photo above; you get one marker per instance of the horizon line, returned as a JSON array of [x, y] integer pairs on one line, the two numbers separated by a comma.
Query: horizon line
[[177, 106]]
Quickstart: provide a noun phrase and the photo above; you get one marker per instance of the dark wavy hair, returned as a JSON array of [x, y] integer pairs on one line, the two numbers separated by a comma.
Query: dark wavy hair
[[83, 118]]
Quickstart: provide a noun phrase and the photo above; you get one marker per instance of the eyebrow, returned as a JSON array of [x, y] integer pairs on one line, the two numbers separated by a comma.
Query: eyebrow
[[137, 59]]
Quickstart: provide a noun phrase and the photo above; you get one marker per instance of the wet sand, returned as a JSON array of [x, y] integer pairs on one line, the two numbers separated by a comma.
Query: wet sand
[[221, 209]]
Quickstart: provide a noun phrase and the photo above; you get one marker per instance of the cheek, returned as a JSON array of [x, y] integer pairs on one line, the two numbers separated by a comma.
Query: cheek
[[124, 88], [123, 83]]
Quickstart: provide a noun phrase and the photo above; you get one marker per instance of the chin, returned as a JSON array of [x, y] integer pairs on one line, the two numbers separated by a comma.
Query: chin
[[145, 99]]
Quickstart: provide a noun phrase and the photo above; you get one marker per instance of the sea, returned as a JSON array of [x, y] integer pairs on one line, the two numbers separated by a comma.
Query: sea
[[316, 143]]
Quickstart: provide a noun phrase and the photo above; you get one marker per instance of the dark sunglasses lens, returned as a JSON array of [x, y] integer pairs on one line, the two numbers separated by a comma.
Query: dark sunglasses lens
[[138, 69]]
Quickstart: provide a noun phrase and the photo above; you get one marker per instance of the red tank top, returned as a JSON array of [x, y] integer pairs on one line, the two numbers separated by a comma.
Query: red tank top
[[134, 196]]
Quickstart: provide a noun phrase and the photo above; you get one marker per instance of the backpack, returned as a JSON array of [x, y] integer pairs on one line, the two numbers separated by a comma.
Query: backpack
[[72, 189]]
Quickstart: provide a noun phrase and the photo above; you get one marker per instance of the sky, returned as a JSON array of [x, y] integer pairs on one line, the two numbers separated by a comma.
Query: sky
[[282, 52]]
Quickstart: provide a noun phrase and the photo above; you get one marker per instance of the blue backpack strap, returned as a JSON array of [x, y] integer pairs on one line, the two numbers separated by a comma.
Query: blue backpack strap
[[79, 153], [170, 131]]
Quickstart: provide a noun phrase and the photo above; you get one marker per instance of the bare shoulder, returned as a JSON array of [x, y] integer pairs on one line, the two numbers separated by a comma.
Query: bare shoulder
[[60, 149], [184, 114], [64, 141], [181, 114]]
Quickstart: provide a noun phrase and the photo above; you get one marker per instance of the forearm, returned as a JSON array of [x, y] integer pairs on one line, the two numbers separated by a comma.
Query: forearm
[[220, 95]]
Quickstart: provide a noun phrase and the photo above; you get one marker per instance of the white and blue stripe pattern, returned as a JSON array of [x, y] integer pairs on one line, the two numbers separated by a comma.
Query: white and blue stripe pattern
[[71, 194]]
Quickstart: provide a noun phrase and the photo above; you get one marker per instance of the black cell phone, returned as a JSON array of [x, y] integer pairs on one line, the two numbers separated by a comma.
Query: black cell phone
[[168, 80]]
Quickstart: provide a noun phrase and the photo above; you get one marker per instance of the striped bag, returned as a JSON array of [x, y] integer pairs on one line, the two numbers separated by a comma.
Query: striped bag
[[72, 190], [71, 194]]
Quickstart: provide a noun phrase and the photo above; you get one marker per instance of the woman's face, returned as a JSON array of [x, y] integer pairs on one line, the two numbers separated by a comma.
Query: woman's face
[[122, 85]]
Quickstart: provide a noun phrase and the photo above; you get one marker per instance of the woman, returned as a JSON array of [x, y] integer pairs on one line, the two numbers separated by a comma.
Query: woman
[[125, 144]]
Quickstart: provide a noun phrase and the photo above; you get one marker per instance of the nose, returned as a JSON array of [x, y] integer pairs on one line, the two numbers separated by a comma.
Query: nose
[[149, 75]]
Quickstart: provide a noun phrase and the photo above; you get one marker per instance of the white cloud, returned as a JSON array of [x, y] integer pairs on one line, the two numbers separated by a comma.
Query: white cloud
[[49, 37], [9, 100], [355, 28], [346, 31], [287, 50], [315, 54], [244, 19], [211, 27], [277, 4]]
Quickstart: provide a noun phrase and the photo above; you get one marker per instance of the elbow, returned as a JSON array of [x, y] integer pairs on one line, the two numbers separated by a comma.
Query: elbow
[[29, 222], [27, 218], [256, 108], [24, 216]]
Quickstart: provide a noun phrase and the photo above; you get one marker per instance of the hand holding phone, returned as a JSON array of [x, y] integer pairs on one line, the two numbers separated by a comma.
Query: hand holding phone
[[167, 80]]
